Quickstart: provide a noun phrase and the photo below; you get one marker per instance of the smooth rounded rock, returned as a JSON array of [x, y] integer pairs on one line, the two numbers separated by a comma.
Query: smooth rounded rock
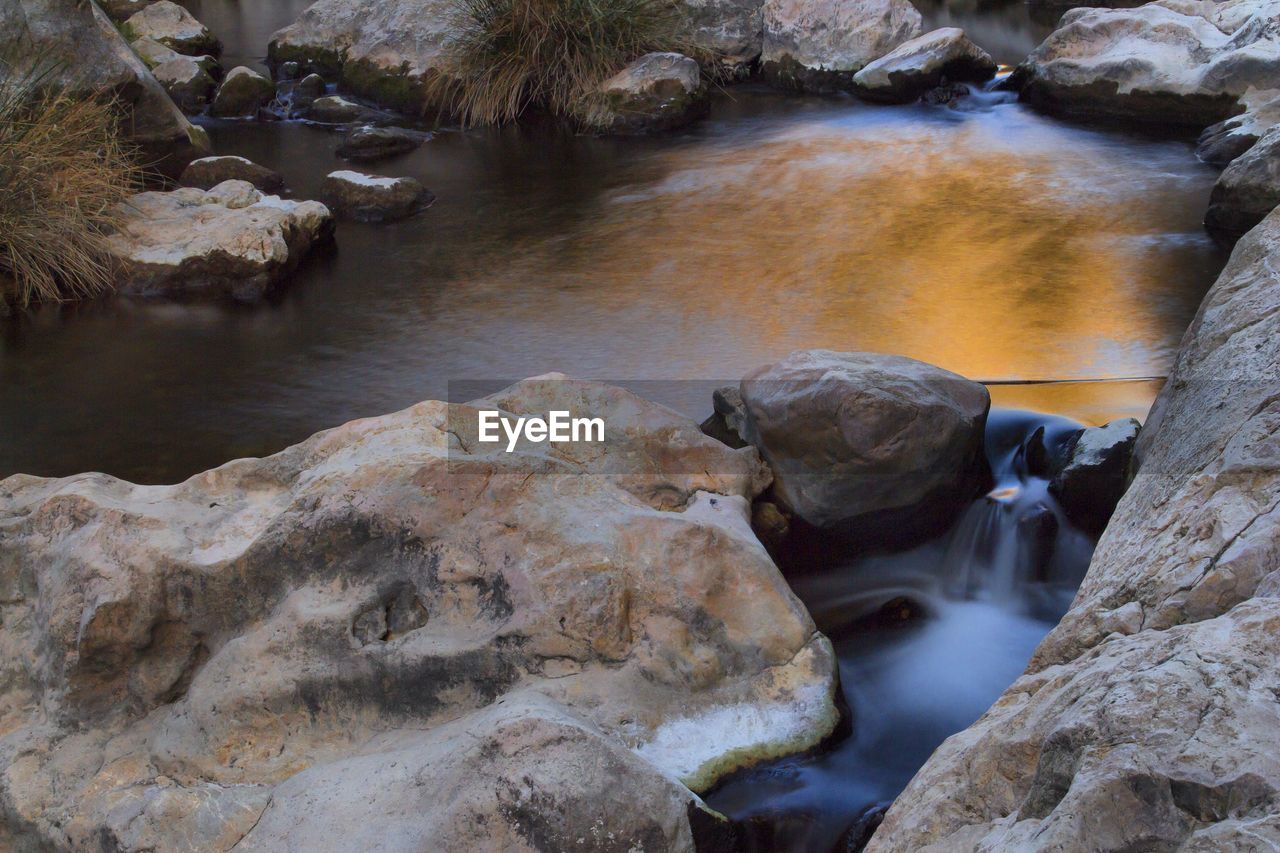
[[171, 25], [335, 109], [187, 82], [369, 198], [818, 45], [208, 172], [1247, 190], [659, 91], [369, 144], [242, 94], [916, 66]]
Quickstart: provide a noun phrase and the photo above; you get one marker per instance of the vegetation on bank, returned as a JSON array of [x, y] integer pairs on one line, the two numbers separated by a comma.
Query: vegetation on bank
[[64, 168], [511, 55]]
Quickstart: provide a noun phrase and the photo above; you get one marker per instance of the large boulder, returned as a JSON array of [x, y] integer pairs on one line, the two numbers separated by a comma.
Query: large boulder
[[394, 635], [818, 45], [153, 53], [1095, 472], [81, 50], [207, 172], [1171, 62], [370, 198], [1247, 190], [659, 91], [384, 51], [1147, 720], [187, 81], [916, 66], [228, 241], [242, 94], [1223, 142], [171, 25], [861, 440], [731, 32], [123, 10]]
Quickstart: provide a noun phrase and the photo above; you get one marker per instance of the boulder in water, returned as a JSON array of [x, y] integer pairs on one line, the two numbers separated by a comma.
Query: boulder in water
[[368, 144], [242, 94], [1223, 142], [659, 91], [228, 241], [818, 45], [171, 25], [1247, 190], [208, 172], [860, 440], [369, 198], [1096, 471], [335, 109], [187, 81], [916, 66]]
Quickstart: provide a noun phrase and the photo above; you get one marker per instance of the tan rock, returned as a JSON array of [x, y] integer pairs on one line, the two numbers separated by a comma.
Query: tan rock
[[659, 91], [818, 45], [913, 67], [171, 25]]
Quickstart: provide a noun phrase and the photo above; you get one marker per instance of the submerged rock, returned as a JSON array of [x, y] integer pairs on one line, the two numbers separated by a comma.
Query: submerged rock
[[659, 91], [335, 109], [369, 198], [818, 45], [187, 81], [1247, 190], [924, 63], [208, 172], [394, 632], [1096, 472], [862, 440], [228, 241], [242, 94], [369, 144], [172, 26], [1147, 719], [1175, 62]]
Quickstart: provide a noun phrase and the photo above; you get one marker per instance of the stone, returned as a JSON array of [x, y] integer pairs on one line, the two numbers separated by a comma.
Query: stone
[[335, 109], [123, 10], [152, 52], [1247, 190], [187, 82], [1096, 472], [914, 67], [1174, 62], [82, 51], [369, 198], [171, 25], [394, 632], [727, 423], [288, 71], [228, 241], [369, 144], [730, 31], [1223, 142], [242, 94], [208, 172], [818, 45], [384, 52], [659, 91], [857, 440], [1147, 719]]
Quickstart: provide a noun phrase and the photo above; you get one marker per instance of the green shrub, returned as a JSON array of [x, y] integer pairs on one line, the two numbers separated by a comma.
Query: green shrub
[[513, 54], [63, 171]]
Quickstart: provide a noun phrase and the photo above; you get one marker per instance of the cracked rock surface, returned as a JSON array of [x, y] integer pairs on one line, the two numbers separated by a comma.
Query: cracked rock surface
[[392, 636], [1148, 719]]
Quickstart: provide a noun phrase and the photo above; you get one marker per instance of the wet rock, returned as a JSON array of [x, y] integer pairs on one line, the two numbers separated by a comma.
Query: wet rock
[[1147, 719], [730, 31], [392, 632], [1247, 190], [1166, 63], [1096, 472], [369, 198], [242, 94], [945, 96], [818, 45], [923, 63], [861, 440], [369, 144], [288, 71], [659, 91], [172, 26], [82, 50], [295, 97], [335, 109], [187, 82], [208, 172], [727, 421], [384, 52], [228, 241], [1223, 142]]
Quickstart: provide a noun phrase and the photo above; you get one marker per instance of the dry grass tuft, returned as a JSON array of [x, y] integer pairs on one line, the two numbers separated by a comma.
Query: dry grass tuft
[[63, 170], [514, 54]]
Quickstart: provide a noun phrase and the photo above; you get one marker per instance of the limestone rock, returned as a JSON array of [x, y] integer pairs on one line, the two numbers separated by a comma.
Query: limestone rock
[[1096, 472], [729, 418], [394, 632], [1247, 190], [916, 66], [857, 439], [369, 198], [171, 25], [659, 91], [83, 51], [242, 94], [230, 240], [818, 45], [731, 31], [208, 172], [1169, 63], [186, 81], [1223, 142], [369, 144], [1147, 720]]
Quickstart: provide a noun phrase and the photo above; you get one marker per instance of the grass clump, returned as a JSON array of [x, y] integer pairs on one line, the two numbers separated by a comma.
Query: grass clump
[[63, 170], [510, 55]]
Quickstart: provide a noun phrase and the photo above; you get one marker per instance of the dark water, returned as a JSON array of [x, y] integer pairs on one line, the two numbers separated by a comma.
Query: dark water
[[927, 639]]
